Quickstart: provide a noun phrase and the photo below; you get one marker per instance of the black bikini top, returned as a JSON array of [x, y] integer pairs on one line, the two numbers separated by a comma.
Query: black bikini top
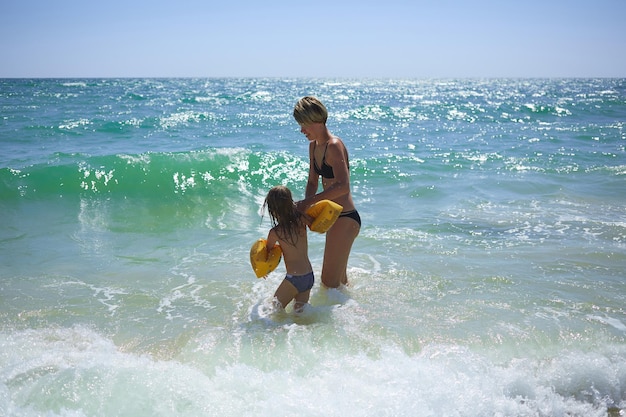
[[326, 171]]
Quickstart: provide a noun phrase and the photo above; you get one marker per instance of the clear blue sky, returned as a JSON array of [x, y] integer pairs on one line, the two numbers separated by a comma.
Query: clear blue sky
[[297, 38]]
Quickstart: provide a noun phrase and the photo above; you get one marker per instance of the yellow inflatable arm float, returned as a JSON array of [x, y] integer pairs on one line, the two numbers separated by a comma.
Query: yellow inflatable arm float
[[263, 262], [325, 213]]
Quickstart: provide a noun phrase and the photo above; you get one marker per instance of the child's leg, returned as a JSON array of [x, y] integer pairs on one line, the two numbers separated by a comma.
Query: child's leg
[[285, 293], [302, 298]]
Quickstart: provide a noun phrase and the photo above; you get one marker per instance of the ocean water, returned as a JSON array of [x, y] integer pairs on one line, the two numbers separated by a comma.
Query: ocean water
[[489, 277]]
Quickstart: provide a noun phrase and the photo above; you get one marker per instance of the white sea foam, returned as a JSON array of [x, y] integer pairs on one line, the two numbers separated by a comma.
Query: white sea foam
[[76, 371]]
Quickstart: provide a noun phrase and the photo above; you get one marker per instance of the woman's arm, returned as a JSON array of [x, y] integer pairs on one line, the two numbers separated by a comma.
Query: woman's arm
[[312, 183], [313, 180]]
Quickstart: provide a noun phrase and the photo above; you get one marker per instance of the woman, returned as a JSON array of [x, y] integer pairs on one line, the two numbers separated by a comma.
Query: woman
[[328, 158]]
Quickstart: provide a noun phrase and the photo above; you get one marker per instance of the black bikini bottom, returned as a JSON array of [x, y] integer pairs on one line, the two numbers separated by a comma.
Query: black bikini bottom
[[353, 214]]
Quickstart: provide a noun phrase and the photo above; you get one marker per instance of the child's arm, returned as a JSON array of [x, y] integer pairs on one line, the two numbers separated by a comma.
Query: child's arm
[[308, 220], [272, 238]]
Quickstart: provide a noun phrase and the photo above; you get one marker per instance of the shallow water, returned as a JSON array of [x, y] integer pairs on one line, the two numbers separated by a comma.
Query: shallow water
[[488, 278]]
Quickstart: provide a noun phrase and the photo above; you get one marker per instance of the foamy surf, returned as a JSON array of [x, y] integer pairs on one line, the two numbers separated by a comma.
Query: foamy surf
[[78, 372]]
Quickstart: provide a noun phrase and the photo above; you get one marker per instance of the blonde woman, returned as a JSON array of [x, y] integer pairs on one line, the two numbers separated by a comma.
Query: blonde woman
[[328, 160]]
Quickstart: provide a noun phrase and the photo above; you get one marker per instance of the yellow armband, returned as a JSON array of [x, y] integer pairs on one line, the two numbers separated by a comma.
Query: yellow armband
[[263, 262], [325, 213]]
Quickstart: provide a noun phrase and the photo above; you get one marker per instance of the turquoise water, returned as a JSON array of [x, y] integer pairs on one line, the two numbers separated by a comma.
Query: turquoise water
[[489, 277]]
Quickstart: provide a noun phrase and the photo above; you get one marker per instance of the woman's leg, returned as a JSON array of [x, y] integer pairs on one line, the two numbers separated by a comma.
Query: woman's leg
[[339, 240]]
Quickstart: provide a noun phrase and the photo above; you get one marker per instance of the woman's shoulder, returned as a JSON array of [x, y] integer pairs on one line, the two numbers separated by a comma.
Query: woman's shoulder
[[337, 145]]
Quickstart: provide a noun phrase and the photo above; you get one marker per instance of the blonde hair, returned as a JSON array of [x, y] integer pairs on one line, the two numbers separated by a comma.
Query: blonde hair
[[310, 110]]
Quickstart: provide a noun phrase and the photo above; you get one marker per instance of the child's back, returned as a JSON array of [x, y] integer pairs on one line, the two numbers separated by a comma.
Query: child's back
[[289, 231], [295, 250]]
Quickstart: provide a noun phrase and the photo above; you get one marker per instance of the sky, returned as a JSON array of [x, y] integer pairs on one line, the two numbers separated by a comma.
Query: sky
[[323, 38]]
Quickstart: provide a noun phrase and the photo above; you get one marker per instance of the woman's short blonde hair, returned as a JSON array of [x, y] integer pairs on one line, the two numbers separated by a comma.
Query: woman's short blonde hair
[[310, 110]]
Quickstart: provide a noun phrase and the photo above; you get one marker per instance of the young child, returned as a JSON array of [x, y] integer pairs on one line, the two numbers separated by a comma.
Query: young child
[[290, 232]]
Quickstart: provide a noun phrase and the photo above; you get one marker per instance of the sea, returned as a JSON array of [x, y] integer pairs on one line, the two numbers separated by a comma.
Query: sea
[[488, 278]]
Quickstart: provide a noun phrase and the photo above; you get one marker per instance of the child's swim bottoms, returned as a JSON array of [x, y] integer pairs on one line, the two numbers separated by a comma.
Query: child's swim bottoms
[[301, 282]]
